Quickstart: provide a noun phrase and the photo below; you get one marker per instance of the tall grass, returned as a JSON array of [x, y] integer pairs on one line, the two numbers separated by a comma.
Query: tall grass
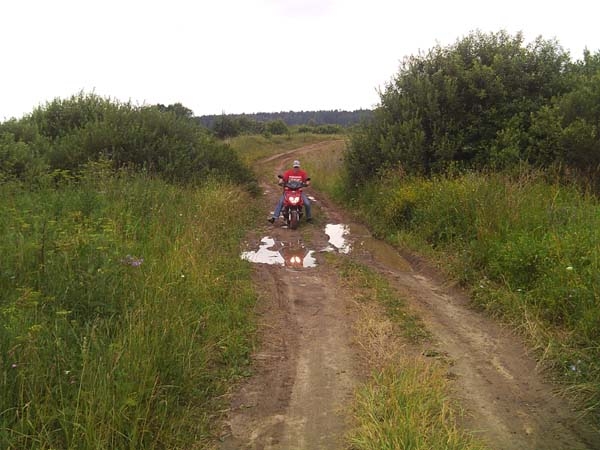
[[405, 404], [324, 167], [124, 311], [251, 148], [527, 247]]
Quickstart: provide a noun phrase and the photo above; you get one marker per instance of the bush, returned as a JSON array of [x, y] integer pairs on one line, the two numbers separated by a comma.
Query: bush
[[277, 127], [67, 134], [486, 101]]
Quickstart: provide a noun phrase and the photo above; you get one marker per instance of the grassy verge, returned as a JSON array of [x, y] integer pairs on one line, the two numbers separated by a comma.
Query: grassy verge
[[251, 148], [527, 248], [405, 404], [124, 312]]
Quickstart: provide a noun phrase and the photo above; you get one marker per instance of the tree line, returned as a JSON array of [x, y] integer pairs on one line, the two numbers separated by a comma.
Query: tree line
[[320, 122]]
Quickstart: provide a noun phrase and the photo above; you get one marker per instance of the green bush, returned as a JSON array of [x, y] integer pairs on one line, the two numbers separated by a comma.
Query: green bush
[[488, 101], [277, 127], [67, 134]]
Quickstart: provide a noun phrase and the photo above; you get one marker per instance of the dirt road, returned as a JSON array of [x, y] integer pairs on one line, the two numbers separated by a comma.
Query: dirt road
[[308, 364]]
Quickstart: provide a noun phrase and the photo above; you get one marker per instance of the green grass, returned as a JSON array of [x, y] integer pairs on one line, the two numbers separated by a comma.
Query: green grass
[[125, 312], [405, 404], [251, 148], [527, 248]]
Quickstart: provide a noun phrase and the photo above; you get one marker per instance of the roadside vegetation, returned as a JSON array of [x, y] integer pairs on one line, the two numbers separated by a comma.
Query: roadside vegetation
[[251, 148], [406, 402], [64, 135], [485, 155], [125, 310]]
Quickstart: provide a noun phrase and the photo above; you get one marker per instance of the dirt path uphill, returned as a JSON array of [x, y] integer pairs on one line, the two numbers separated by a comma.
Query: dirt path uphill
[[308, 364]]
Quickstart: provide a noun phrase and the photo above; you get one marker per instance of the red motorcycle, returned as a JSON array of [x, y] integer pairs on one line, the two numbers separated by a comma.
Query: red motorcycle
[[293, 206]]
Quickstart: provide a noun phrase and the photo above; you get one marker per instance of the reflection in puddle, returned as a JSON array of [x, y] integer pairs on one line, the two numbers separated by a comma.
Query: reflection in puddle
[[288, 255], [263, 254], [298, 257], [337, 237]]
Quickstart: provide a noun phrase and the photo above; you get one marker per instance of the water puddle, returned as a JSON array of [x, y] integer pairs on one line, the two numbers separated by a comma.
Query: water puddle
[[264, 254], [383, 253], [281, 254], [338, 237], [342, 239], [346, 238]]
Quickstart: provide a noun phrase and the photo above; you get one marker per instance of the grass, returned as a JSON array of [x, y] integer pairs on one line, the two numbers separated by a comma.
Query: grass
[[405, 404], [125, 312], [324, 167], [251, 148], [528, 249]]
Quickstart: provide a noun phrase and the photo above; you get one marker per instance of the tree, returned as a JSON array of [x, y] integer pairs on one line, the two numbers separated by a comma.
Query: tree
[[451, 105], [225, 126], [277, 127]]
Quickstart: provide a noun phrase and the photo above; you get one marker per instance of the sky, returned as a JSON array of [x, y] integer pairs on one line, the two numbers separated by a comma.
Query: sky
[[247, 56]]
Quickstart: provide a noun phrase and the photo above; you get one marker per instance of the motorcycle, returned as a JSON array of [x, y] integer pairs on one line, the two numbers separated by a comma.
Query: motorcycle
[[293, 206]]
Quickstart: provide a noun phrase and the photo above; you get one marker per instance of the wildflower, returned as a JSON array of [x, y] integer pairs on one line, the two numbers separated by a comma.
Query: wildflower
[[132, 261], [13, 365], [569, 268]]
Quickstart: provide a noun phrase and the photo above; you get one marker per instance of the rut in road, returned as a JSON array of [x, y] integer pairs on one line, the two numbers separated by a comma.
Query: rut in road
[[308, 364]]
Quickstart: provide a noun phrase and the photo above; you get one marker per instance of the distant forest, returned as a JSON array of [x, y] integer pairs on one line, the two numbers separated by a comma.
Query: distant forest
[[291, 118]]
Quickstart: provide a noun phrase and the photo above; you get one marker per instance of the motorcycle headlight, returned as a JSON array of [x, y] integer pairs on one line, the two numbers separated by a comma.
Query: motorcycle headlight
[[294, 200]]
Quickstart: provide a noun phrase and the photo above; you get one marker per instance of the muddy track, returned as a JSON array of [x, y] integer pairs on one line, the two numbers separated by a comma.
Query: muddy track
[[308, 364]]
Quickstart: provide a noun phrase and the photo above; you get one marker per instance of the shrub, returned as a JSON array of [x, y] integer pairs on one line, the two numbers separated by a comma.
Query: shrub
[[67, 134]]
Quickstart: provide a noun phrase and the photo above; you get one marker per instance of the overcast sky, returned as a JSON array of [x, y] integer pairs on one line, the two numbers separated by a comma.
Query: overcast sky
[[236, 56]]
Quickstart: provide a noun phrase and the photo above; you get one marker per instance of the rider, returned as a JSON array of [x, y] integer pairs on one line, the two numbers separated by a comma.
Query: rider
[[293, 174]]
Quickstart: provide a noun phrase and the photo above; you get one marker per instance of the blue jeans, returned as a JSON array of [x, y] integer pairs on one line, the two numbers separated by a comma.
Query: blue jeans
[[305, 200]]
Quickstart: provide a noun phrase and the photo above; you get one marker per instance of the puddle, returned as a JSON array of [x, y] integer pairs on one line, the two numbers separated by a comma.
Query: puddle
[[281, 254], [342, 239], [337, 237], [264, 255], [298, 257], [346, 238]]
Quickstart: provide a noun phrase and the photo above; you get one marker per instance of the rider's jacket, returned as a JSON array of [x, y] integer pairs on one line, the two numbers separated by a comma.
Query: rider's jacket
[[295, 175]]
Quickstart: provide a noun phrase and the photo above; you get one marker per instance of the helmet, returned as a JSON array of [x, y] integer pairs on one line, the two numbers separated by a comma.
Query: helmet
[[296, 163]]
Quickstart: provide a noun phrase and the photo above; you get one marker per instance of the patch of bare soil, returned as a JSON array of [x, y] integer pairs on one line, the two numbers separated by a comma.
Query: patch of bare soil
[[309, 364]]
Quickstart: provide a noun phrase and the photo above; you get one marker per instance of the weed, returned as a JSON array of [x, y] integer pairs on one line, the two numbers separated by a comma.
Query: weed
[[527, 249], [405, 403], [124, 311]]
